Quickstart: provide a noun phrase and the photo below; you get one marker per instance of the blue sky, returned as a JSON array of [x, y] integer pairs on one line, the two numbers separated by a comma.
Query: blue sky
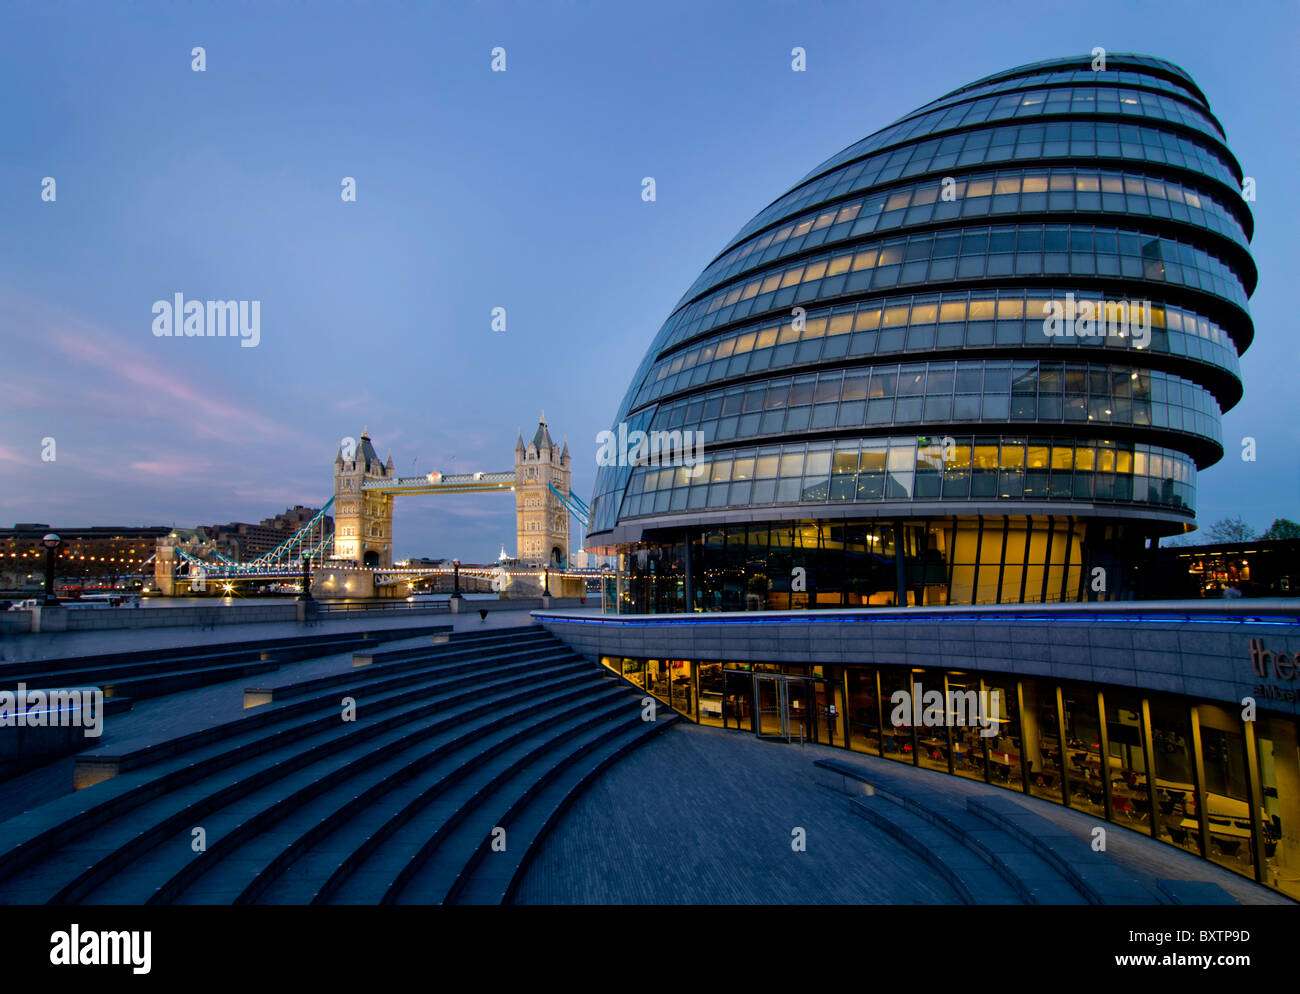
[[476, 190]]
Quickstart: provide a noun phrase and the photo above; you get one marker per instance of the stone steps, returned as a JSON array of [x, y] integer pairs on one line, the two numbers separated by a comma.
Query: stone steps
[[1040, 862], [239, 835], [171, 765], [449, 740]]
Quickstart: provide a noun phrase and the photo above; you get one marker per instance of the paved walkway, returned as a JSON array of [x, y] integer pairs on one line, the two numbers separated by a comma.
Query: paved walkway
[[700, 815], [14, 648], [703, 816]]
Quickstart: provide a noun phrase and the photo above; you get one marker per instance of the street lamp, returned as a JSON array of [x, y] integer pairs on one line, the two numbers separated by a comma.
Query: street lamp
[[51, 543], [306, 579]]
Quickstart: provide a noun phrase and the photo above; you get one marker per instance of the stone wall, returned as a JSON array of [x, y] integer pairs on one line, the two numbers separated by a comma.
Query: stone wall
[[1206, 652]]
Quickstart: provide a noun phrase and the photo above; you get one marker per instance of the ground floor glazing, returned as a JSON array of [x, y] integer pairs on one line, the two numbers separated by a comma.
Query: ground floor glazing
[[990, 559]]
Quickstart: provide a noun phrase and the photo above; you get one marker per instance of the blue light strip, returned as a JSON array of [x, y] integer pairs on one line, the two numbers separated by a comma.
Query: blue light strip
[[820, 617]]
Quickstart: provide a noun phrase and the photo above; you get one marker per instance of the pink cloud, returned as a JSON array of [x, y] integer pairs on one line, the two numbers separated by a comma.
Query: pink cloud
[[129, 371], [175, 466], [10, 455]]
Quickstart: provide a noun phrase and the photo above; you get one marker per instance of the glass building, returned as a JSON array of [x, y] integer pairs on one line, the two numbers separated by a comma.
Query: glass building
[[976, 357]]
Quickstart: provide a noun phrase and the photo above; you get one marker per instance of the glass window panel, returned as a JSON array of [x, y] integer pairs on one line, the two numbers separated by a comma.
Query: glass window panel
[[868, 319], [840, 324], [839, 264], [953, 311], [872, 459], [792, 464]]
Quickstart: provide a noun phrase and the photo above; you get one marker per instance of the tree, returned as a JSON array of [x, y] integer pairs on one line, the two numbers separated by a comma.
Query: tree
[[1282, 528], [1231, 530]]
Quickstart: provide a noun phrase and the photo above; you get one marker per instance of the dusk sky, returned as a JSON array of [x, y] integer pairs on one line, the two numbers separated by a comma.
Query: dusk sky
[[479, 189]]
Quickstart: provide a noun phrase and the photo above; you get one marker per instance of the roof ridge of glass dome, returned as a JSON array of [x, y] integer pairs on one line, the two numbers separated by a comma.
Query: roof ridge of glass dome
[[1114, 60], [1126, 58], [862, 146], [1131, 62]]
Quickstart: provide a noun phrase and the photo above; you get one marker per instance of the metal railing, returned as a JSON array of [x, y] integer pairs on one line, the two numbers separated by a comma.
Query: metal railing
[[420, 607]]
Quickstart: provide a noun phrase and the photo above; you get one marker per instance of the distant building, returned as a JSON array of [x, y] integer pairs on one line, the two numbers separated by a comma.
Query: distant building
[[1256, 568], [97, 553], [251, 540], [582, 559]]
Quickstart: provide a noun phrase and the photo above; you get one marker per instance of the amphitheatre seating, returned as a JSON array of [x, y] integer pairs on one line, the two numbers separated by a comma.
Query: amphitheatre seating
[[985, 866], [26, 748], [993, 849], [394, 661], [153, 672], [1094, 873], [450, 741]]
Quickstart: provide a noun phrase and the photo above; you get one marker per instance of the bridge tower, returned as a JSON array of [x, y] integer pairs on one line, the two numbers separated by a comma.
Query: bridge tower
[[363, 520], [541, 521]]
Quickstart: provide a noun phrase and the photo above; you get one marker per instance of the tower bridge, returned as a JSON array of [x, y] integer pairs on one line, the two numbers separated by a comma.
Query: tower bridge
[[361, 539], [365, 488]]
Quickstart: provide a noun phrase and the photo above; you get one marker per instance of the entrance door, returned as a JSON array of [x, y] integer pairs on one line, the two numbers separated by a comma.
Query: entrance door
[[829, 713], [772, 707], [798, 694]]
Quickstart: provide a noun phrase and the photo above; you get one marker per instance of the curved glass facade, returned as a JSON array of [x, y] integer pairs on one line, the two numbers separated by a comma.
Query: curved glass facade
[[1024, 302]]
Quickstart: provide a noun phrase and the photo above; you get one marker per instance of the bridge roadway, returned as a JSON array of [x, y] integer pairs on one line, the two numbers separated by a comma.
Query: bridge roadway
[[439, 483]]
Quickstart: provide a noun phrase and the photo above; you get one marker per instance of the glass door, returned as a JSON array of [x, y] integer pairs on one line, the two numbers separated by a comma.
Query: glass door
[[829, 713], [772, 707], [798, 695]]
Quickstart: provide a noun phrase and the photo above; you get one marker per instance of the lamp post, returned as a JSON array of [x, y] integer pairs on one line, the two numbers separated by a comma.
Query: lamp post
[[306, 579], [454, 601], [51, 543]]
